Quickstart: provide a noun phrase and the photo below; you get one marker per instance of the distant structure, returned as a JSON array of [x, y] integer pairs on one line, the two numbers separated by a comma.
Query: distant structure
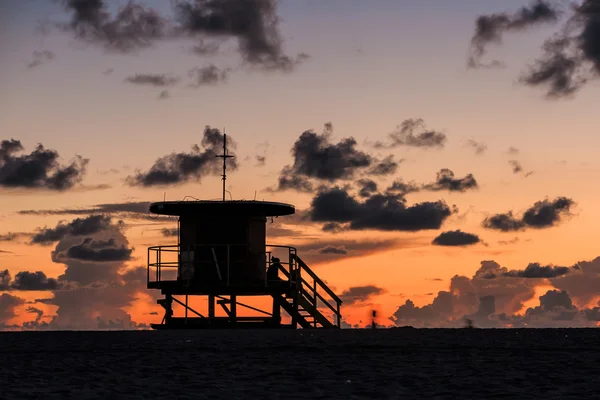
[[222, 255]]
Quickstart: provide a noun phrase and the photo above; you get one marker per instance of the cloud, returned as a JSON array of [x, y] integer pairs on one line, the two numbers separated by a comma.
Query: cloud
[[97, 251], [178, 168], [38, 170], [40, 57], [532, 271], [360, 294], [513, 150], [367, 187], [570, 57], [208, 75], [379, 212], [99, 288], [260, 160], [490, 28], [543, 214], [413, 133], [77, 227], [479, 147], [132, 27], [516, 166], [8, 305], [333, 250], [445, 180], [325, 250], [131, 210], [399, 187], [387, 166], [163, 95], [456, 238], [158, 80], [254, 23], [38, 280]]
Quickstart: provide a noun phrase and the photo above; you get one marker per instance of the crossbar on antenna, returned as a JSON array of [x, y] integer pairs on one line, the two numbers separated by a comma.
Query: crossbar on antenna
[[224, 156]]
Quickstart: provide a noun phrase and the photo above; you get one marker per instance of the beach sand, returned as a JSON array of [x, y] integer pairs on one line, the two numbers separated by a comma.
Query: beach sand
[[335, 364]]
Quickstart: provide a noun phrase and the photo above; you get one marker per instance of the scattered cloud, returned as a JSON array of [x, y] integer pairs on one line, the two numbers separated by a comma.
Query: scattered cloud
[[543, 214], [414, 133], [360, 294], [38, 170], [179, 168], [378, 212], [445, 180], [158, 80], [208, 75], [40, 57], [478, 147], [456, 238], [490, 28]]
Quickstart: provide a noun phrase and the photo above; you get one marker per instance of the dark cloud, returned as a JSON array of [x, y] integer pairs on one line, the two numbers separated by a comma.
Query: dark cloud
[[138, 210], [478, 147], [543, 214], [178, 168], [40, 57], [399, 187], [456, 238], [254, 23], [288, 180], [413, 133], [445, 180], [77, 227], [570, 58], [208, 75], [582, 281], [205, 48], [97, 251], [367, 187], [163, 95], [490, 28], [5, 280], [516, 166], [387, 166], [333, 250], [380, 212], [132, 27], [315, 157], [533, 271], [26, 280], [39, 169], [152, 79], [333, 227], [360, 294], [8, 304]]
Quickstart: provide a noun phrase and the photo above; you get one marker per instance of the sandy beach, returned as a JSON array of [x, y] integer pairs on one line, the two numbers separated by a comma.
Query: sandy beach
[[346, 364]]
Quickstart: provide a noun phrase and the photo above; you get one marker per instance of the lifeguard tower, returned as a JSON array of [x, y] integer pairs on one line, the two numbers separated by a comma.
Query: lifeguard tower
[[222, 254]]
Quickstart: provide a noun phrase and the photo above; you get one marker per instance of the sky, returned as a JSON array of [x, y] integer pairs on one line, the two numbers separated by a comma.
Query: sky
[[440, 155]]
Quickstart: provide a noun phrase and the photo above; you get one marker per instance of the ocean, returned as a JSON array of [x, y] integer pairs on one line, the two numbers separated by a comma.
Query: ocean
[[402, 363]]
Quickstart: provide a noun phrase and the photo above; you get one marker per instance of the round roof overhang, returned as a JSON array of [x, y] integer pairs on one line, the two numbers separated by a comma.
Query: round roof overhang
[[243, 208]]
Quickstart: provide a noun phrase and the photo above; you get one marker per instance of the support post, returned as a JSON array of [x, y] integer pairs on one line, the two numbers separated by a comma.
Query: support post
[[233, 308], [186, 309], [211, 308]]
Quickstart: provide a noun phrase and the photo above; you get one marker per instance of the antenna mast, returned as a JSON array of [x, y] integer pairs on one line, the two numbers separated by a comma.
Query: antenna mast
[[224, 156]]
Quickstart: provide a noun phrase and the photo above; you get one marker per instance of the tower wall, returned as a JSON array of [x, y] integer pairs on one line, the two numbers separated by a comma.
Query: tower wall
[[201, 234]]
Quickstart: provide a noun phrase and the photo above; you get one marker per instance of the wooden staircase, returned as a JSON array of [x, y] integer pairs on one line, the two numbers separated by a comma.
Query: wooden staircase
[[308, 298]]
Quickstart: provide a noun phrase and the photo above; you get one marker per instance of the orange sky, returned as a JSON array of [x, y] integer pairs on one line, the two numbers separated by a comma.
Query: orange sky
[[366, 74]]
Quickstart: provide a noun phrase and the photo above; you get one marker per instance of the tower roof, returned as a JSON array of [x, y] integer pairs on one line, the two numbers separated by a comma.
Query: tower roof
[[245, 208]]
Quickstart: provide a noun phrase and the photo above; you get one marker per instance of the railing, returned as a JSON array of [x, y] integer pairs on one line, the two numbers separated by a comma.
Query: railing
[[176, 262], [310, 290]]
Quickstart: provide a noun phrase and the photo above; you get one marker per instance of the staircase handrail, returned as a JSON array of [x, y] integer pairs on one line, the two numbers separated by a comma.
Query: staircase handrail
[[317, 279]]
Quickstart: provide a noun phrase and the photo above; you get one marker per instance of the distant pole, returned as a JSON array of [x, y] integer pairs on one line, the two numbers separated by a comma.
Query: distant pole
[[224, 156]]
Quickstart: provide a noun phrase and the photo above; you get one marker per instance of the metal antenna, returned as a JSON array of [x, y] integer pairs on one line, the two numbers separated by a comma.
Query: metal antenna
[[224, 156]]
